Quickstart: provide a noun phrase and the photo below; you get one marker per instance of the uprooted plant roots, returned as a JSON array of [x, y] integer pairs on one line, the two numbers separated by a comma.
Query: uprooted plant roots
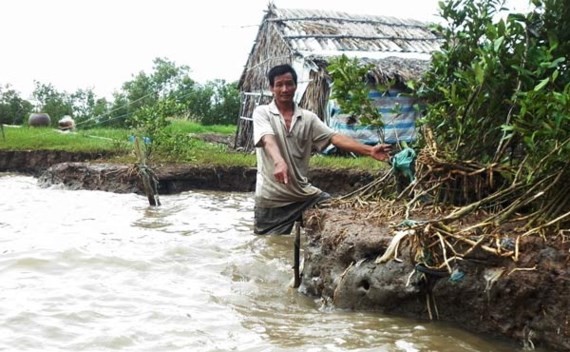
[[452, 209]]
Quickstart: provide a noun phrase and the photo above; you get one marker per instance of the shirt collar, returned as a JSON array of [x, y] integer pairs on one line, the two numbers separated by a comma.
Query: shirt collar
[[275, 111]]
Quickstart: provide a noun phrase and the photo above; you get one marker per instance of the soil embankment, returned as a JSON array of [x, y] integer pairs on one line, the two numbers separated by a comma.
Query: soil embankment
[[91, 172], [527, 301]]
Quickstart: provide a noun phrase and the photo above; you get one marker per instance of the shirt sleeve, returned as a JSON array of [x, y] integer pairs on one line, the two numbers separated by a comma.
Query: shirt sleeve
[[261, 124], [322, 133]]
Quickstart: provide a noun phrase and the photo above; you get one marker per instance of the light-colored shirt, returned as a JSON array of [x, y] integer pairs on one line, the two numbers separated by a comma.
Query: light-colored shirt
[[307, 133]]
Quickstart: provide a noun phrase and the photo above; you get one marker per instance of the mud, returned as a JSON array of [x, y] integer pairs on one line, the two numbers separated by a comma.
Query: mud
[[525, 301], [34, 162], [92, 172]]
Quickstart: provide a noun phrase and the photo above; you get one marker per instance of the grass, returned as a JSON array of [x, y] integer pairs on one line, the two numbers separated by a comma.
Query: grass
[[26, 138], [185, 148], [184, 126], [338, 162]]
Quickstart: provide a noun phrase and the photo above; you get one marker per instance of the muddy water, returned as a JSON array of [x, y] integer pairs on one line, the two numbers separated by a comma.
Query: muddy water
[[96, 271]]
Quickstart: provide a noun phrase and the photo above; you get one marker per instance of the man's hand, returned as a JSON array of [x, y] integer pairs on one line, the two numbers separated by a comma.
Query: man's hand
[[381, 152], [378, 152], [281, 172]]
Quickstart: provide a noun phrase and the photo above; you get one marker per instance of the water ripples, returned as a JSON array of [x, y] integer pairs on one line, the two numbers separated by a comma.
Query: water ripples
[[97, 271]]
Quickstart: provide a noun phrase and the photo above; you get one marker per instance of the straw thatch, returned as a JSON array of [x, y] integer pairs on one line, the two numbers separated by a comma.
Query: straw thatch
[[399, 49]]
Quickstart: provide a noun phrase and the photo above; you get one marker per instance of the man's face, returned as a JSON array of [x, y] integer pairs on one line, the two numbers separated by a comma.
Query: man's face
[[284, 88]]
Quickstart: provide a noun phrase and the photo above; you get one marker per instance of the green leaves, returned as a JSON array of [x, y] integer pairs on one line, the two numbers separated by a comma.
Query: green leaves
[[497, 85], [13, 109], [498, 43], [542, 84], [350, 88]]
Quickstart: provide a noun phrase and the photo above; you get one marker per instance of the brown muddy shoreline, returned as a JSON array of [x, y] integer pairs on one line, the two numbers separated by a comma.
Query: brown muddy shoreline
[[91, 171], [528, 304]]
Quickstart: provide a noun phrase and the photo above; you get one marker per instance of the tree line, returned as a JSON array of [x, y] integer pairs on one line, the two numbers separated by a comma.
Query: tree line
[[167, 89]]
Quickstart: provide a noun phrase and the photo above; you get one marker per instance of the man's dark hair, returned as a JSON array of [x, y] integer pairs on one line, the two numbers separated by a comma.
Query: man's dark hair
[[281, 70]]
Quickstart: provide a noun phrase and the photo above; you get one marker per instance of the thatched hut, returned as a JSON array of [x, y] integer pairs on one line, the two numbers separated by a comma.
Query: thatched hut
[[399, 49]]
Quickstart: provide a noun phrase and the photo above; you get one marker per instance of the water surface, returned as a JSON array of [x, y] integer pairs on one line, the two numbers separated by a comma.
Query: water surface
[[98, 271]]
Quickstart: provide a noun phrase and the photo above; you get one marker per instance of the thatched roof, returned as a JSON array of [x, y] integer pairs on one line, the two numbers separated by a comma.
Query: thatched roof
[[389, 68], [322, 32], [400, 48]]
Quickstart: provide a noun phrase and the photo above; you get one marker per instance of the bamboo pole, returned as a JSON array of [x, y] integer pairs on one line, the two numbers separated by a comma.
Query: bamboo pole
[[297, 255]]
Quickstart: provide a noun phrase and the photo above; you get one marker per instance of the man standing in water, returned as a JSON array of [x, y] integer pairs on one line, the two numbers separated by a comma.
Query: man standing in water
[[285, 135]]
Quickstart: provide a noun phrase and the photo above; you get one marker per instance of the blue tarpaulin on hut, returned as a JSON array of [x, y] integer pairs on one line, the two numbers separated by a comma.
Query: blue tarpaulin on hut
[[399, 115]]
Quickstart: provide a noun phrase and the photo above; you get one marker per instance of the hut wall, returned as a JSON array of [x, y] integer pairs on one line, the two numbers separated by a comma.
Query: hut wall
[[268, 51], [316, 96]]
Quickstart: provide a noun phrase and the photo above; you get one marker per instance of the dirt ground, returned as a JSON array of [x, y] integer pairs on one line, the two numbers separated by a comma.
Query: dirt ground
[[526, 300]]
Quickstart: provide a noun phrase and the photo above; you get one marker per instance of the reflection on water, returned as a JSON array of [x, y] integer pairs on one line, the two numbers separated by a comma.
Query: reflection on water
[[97, 271]]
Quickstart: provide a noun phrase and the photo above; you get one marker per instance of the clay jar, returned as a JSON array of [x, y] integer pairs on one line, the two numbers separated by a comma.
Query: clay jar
[[39, 119]]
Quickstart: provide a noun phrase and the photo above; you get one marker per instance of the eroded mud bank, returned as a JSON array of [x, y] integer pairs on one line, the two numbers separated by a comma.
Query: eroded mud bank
[[526, 301]]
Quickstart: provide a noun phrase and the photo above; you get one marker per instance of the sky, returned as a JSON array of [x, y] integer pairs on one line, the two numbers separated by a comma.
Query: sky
[[100, 44]]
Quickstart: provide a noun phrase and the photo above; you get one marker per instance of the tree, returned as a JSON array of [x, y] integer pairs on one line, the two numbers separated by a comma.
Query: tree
[[198, 101], [86, 107], [498, 101], [13, 109], [50, 101], [556, 26], [499, 87], [164, 81], [350, 88], [225, 104], [119, 112], [182, 92], [101, 110], [216, 102]]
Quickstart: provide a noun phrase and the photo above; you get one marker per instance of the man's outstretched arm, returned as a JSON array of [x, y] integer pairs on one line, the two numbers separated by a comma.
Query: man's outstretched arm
[[378, 152]]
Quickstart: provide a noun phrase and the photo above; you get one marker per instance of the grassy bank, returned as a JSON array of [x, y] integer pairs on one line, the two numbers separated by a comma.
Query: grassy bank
[[180, 142]]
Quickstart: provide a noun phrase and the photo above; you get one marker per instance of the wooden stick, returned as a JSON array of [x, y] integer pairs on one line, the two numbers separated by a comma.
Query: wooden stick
[[297, 252], [145, 173]]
